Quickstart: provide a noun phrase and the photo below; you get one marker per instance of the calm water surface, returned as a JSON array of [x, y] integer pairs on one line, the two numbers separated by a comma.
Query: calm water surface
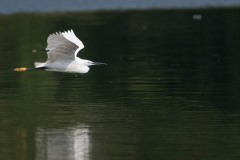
[[170, 90]]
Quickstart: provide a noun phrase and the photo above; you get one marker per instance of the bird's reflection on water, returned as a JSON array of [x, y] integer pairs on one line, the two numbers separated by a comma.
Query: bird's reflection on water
[[63, 143]]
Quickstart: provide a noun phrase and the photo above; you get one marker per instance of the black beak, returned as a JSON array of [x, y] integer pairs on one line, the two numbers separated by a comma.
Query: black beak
[[98, 63]]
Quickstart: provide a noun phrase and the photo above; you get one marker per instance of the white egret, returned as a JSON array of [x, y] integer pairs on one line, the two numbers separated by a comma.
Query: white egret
[[62, 52]]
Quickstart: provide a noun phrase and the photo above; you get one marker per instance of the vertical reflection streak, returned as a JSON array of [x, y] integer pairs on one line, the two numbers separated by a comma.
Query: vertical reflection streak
[[64, 143]]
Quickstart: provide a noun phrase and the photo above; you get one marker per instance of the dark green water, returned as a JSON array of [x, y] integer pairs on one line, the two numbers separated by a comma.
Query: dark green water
[[170, 90]]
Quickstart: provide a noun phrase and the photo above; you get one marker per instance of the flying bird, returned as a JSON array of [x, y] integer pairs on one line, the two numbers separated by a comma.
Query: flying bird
[[62, 50]]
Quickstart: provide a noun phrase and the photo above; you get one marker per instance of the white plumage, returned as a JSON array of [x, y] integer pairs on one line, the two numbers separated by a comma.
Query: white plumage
[[62, 52]]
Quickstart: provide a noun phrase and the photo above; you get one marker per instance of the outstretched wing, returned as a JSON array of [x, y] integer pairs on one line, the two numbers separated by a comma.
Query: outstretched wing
[[63, 46]]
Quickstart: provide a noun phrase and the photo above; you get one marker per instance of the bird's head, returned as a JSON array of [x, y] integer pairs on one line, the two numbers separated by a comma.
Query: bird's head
[[90, 63]]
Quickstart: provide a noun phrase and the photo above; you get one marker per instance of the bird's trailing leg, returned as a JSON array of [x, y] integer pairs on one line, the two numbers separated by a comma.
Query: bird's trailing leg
[[23, 69]]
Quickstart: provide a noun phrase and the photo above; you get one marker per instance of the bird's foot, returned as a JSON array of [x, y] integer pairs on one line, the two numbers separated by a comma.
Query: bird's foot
[[21, 69]]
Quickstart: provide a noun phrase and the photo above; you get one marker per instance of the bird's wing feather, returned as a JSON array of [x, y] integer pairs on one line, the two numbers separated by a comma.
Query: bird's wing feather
[[69, 35], [63, 46]]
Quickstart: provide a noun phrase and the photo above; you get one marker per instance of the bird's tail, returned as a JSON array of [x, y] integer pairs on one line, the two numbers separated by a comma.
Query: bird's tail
[[39, 64]]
